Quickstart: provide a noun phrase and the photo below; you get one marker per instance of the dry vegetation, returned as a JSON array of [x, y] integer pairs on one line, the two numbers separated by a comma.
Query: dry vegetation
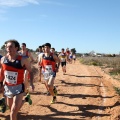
[[111, 65]]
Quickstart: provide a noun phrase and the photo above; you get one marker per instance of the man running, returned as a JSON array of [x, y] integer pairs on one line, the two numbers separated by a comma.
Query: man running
[[12, 75], [40, 68], [63, 59], [26, 53], [74, 57], [39, 52], [70, 57], [3, 109], [48, 62], [54, 53], [67, 55], [1, 83]]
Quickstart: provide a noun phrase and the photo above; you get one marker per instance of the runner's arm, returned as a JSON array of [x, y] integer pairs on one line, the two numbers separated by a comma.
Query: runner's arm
[[31, 57], [57, 60], [28, 67], [39, 66], [59, 57], [1, 71]]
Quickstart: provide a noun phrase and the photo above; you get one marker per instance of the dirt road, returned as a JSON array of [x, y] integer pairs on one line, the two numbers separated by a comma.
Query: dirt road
[[84, 93]]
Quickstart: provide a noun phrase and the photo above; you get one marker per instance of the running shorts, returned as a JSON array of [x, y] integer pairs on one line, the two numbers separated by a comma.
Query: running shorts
[[63, 64], [11, 91]]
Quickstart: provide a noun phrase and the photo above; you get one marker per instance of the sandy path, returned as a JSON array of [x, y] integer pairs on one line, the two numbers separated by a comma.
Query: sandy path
[[84, 93]]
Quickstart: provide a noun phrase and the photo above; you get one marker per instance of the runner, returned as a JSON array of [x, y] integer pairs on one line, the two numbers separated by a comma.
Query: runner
[[48, 62], [63, 59], [43, 49], [54, 53], [2, 100], [70, 57], [74, 57], [12, 73], [40, 68], [39, 52], [1, 57], [41, 71], [1, 83], [26, 53], [67, 54], [57, 64]]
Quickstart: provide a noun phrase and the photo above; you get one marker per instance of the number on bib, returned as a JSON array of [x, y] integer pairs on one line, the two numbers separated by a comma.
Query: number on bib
[[11, 77], [48, 71]]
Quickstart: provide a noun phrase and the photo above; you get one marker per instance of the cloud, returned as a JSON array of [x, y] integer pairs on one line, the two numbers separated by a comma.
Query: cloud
[[52, 3], [6, 4], [17, 3]]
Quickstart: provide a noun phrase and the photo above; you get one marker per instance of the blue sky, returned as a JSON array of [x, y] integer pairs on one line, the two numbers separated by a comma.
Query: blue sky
[[85, 25]]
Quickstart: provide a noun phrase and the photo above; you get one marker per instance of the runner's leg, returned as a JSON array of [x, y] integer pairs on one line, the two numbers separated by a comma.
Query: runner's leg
[[15, 104]]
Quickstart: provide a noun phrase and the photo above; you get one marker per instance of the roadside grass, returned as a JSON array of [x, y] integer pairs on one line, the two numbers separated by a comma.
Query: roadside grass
[[110, 63], [115, 71], [91, 61], [117, 90]]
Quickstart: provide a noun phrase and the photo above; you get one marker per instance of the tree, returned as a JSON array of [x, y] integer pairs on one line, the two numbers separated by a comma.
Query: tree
[[37, 50], [73, 50], [31, 50], [3, 47]]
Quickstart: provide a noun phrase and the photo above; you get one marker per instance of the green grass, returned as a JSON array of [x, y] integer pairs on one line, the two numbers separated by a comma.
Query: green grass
[[117, 90], [115, 71]]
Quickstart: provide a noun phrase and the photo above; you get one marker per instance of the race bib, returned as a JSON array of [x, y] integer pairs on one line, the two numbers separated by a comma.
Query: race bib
[[46, 75], [62, 59], [11, 77], [48, 68], [48, 71]]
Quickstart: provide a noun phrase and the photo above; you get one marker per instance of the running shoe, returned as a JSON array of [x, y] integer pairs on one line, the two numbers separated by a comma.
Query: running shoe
[[53, 100], [1, 101], [2, 105], [28, 99], [48, 93]]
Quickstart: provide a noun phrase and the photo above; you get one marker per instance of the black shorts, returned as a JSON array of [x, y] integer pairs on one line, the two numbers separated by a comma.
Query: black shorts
[[63, 64], [1, 84]]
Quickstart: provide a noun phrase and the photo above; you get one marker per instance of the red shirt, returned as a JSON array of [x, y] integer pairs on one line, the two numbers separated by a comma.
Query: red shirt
[[13, 71]]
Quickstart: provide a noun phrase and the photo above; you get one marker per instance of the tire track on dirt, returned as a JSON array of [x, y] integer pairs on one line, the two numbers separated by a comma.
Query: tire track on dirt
[[104, 93], [101, 90]]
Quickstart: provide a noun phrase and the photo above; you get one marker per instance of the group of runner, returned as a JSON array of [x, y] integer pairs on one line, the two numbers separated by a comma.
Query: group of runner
[[70, 56], [16, 67]]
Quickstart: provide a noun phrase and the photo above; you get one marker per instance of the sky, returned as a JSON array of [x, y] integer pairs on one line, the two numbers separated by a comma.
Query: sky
[[86, 25]]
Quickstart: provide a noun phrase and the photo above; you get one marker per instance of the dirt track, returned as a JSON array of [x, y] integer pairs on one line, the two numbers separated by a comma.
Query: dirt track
[[84, 93]]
